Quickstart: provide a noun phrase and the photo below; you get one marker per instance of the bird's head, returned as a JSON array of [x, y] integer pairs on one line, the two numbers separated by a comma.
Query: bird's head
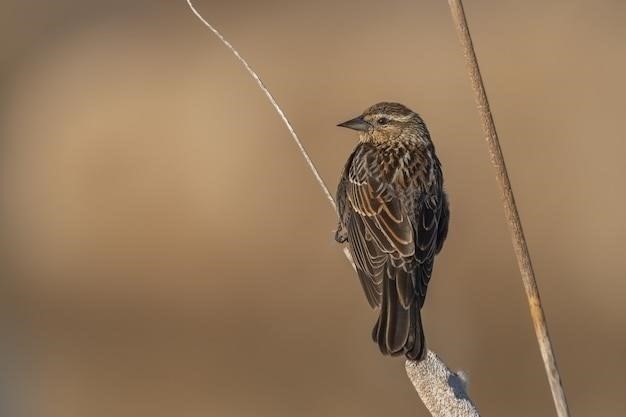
[[386, 122]]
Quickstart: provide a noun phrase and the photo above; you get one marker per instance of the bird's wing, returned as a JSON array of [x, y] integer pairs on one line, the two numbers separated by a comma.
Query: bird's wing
[[430, 223], [372, 195], [378, 226]]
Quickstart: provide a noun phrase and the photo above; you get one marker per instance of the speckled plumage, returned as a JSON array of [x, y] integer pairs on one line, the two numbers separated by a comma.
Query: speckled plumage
[[393, 214]]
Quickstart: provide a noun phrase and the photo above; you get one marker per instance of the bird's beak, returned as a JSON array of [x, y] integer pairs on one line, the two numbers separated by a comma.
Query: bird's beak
[[358, 123]]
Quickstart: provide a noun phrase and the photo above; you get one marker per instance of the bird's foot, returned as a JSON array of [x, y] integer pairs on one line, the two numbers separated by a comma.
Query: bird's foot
[[341, 235]]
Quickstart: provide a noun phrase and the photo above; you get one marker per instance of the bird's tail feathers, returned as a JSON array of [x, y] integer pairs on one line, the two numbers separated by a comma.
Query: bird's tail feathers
[[399, 330]]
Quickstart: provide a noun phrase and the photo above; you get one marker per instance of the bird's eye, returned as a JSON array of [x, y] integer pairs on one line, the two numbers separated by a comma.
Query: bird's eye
[[383, 121]]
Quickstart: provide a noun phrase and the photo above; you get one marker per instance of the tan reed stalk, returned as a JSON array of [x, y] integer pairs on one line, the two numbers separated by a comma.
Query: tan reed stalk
[[510, 209]]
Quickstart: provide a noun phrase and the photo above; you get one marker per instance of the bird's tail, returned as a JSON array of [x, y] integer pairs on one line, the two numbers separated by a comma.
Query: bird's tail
[[399, 327]]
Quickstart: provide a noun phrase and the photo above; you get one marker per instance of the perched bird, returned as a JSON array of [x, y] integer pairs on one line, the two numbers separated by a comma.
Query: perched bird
[[393, 214]]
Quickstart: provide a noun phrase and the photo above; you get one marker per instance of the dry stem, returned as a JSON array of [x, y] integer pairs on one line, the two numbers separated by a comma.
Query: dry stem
[[270, 97], [510, 209]]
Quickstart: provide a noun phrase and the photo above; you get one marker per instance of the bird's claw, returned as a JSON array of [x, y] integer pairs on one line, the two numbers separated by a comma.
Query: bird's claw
[[341, 235]]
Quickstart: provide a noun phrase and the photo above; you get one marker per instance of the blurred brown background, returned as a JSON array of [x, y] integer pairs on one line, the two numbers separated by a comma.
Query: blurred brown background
[[166, 252]]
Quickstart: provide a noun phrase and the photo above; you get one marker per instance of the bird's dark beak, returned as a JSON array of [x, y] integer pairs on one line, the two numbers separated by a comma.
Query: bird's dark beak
[[358, 123]]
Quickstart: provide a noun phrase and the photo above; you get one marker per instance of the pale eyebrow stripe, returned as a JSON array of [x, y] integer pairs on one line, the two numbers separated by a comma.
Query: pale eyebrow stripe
[[393, 116]]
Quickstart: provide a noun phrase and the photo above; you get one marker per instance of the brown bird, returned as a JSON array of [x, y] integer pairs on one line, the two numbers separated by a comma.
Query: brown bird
[[393, 213]]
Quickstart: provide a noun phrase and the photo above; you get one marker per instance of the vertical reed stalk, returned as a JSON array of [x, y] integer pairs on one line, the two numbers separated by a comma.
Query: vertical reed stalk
[[510, 209]]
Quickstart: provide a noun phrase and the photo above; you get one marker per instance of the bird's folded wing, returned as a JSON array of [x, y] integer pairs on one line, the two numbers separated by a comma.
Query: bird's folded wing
[[372, 196], [430, 226], [379, 227]]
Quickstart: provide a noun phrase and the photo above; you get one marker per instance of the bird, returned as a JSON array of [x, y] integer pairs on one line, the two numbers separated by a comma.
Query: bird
[[393, 215]]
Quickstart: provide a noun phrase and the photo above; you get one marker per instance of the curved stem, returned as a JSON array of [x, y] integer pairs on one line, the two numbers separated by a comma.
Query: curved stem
[[272, 100]]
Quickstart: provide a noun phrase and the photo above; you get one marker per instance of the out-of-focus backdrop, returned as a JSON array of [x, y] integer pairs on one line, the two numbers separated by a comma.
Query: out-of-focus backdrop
[[165, 250]]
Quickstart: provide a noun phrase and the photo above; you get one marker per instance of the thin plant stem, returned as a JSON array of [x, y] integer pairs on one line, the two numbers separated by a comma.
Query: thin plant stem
[[510, 209], [272, 100]]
